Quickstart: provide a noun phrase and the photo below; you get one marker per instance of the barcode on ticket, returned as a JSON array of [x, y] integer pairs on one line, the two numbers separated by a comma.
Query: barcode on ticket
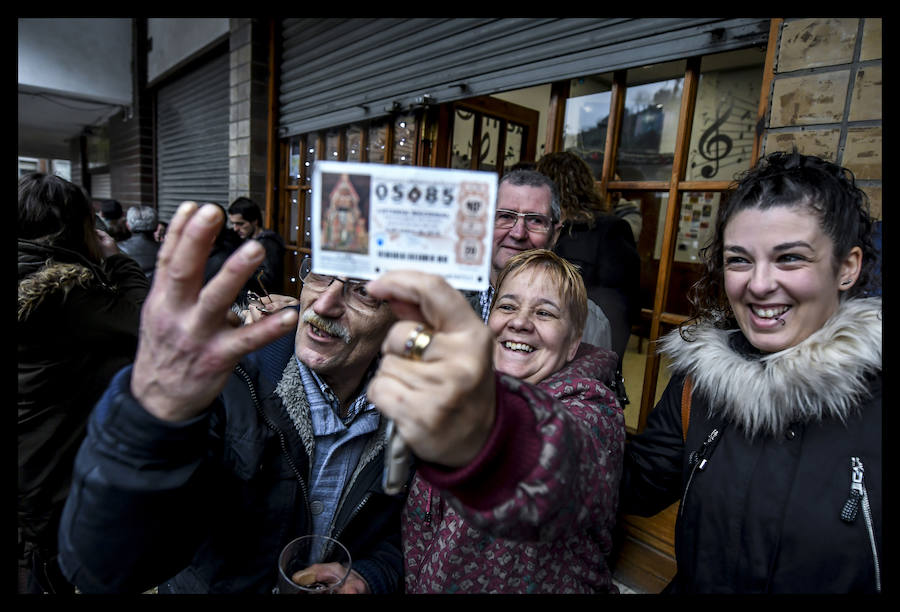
[[429, 257]]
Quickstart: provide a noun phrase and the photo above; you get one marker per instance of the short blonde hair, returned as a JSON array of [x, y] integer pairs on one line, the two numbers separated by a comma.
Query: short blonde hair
[[564, 274]]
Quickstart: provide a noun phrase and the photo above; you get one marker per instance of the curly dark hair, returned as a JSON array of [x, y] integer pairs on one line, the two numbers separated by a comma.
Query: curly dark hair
[[788, 179], [578, 196]]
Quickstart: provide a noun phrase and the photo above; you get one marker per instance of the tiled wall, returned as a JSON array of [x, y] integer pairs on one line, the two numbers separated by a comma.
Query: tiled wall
[[826, 96]]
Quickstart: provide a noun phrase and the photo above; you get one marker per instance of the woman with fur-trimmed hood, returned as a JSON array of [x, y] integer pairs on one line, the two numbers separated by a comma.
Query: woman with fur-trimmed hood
[[779, 474], [78, 313]]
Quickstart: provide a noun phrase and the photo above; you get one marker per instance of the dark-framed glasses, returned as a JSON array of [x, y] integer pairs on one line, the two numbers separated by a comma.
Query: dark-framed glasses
[[506, 219], [353, 290]]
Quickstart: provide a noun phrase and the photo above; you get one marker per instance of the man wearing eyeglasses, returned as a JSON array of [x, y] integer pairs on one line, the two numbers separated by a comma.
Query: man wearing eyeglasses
[[198, 468], [528, 217]]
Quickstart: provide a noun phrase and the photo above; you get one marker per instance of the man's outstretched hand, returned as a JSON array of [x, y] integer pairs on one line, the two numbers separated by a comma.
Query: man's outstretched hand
[[189, 339]]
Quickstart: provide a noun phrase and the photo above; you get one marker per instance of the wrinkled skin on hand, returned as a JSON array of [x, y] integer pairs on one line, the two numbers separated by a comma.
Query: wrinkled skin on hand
[[443, 406], [189, 339]]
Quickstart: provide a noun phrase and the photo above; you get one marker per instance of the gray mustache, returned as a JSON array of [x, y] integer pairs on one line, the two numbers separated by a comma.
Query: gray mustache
[[329, 326]]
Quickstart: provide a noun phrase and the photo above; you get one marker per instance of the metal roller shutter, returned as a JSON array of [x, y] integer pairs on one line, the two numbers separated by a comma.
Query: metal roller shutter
[[192, 115], [338, 71]]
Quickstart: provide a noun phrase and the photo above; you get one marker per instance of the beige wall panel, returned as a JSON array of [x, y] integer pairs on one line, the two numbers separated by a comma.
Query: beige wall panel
[[809, 99], [811, 43], [874, 194], [871, 42], [862, 152], [865, 103], [821, 143]]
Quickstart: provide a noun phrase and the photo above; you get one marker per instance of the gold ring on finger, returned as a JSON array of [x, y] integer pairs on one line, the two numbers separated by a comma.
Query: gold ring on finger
[[416, 343]]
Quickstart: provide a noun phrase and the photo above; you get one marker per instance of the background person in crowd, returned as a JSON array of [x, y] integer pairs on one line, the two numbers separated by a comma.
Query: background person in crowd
[[114, 217], [141, 246], [197, 470], [245, 217], [527, 217], [600, 244], [79, 303], [160, 233], [627, 210], [780, 470], [227, 241], [517, 496]]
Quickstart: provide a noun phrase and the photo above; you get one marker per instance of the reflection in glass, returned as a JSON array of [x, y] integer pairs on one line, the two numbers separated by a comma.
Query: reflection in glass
[[354, 143], [307, 219], [294, 285], [514, 142], [723, 129], [463, 129], [294, 161], [377, 143], [404, 140], [695, 224], [587, 118], [487, 156], [309, 158], [333, 145], [295, 215], [649, 127]]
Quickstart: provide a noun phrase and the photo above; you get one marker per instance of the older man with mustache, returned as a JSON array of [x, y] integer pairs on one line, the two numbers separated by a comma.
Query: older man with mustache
[[199, 467]]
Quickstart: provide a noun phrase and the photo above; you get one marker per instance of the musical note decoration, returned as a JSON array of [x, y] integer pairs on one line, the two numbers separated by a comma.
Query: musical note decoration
[[728, 139]]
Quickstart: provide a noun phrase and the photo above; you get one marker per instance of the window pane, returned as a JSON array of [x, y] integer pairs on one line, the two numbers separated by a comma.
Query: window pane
[[307, 217], [587, 118], [463, 128], [514, 144], [333, 145], [295, 216], [723, 128], [651, 208], [405, 140], [293, 267], [354, 143], [490, 133], [294, 161], [649, 128], [309, 158], [377, 142]]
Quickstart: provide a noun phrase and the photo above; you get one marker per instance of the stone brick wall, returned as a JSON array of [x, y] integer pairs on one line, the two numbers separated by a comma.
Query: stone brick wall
[[247, 122], [826, 95]]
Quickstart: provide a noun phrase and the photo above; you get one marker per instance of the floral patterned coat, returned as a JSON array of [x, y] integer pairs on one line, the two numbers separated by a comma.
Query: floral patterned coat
[[534, 512]]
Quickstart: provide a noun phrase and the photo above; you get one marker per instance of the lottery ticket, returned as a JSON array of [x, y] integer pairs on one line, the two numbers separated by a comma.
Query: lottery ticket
[[371, 218]]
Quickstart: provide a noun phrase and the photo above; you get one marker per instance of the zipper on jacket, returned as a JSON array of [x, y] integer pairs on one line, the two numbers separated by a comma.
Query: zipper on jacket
[[699, 459], [356, 510], [281, 439], [859, 498]]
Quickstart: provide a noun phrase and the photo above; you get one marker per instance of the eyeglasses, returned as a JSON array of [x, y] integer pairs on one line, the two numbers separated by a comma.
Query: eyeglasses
[[507, 219], [353, 290]]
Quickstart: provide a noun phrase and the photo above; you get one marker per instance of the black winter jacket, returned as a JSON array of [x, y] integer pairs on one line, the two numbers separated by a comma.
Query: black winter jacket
[[608, 260], [77, 326], [143, 248], [767, 466], [213, 501]]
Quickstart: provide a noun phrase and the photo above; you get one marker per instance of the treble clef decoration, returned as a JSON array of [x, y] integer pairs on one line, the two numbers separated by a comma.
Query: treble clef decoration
[[715, 145]]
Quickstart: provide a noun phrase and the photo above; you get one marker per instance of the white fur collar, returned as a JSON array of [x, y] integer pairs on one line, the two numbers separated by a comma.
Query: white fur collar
[[823, 376]]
